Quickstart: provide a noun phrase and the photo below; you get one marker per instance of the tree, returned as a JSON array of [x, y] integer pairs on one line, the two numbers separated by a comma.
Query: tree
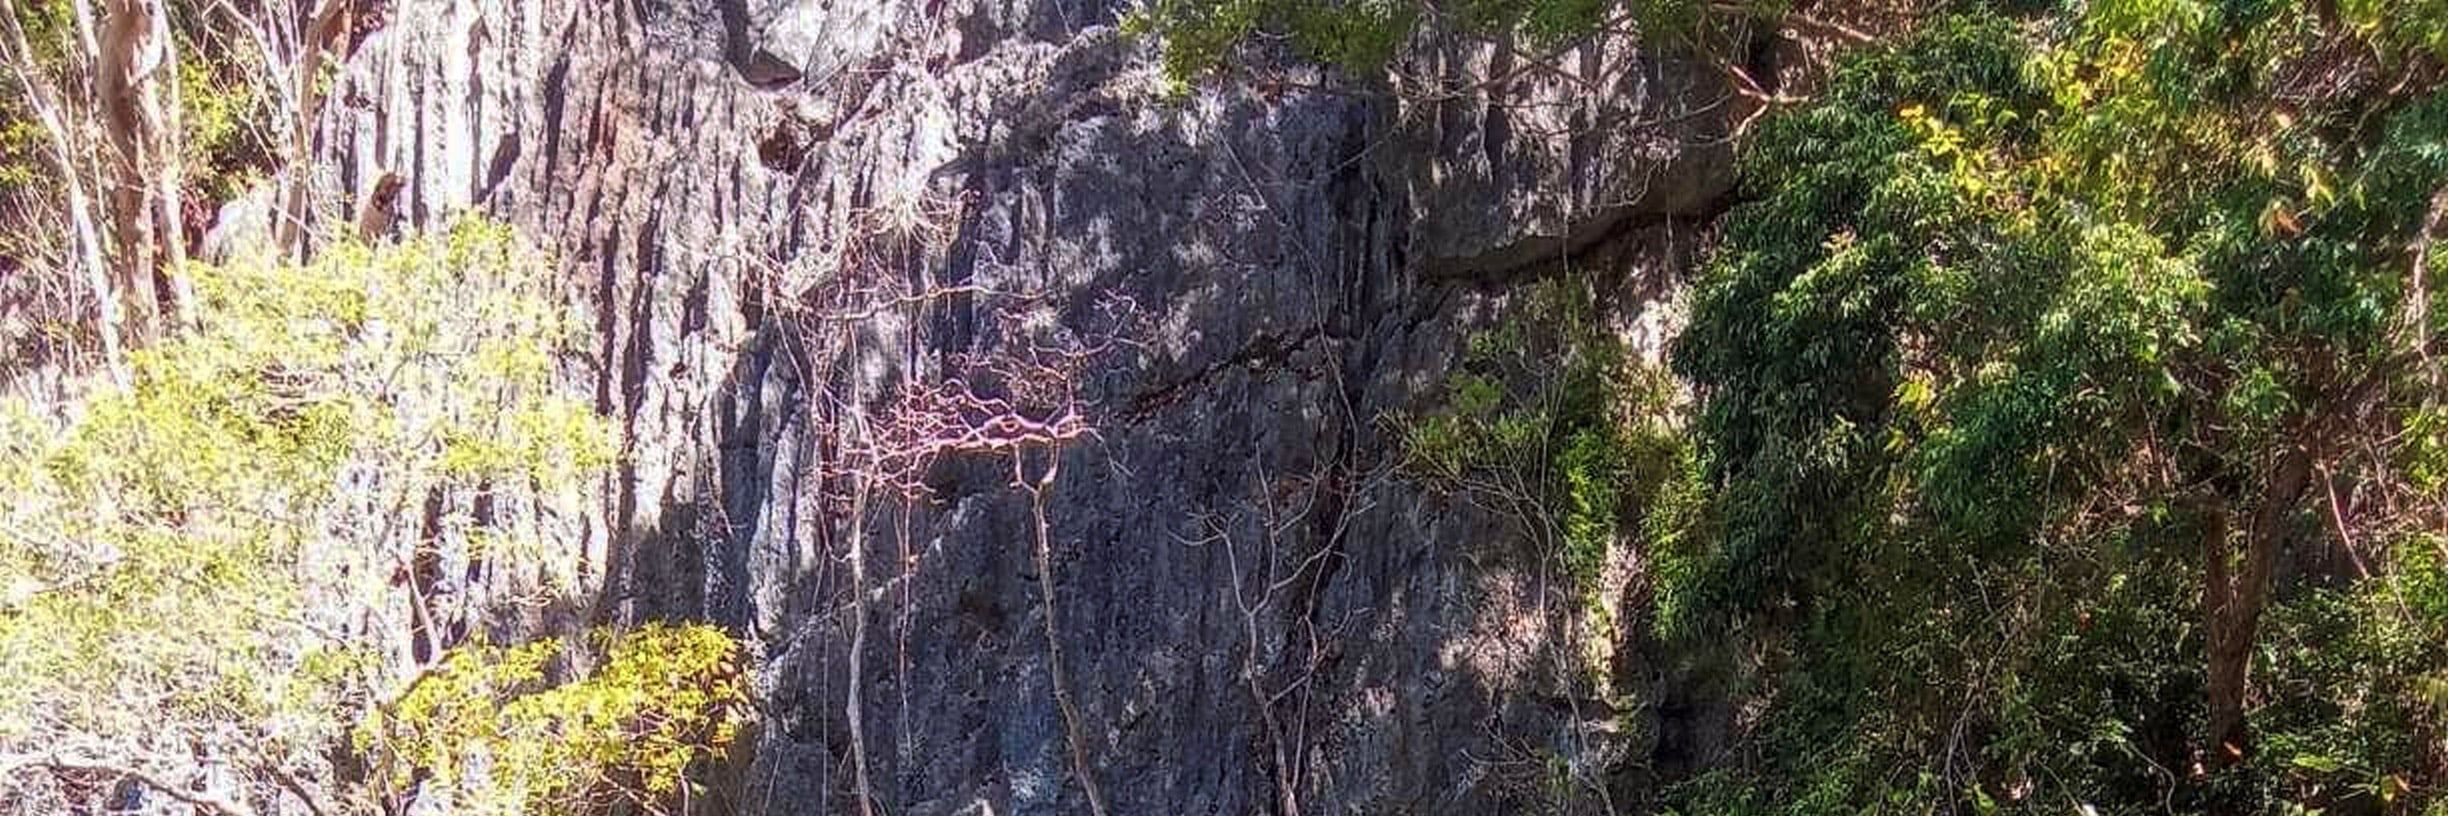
[[126, 56], [132, 109], [206, 576], [44, 101], [486, 731], [135, 54], [2012, 315], [1018, 401], [302, 50]]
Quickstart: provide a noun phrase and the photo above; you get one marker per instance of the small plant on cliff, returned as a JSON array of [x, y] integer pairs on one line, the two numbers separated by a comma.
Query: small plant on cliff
[[1549, 424]]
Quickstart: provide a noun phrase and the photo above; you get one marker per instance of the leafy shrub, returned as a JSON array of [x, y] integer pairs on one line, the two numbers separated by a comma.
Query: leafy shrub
[[492, 736], [1363, 35], [1550, 424], [216, 563], [2001, 313]]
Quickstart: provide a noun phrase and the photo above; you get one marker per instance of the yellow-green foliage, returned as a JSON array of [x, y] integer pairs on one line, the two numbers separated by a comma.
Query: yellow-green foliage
[[207, 553], [488, 728]]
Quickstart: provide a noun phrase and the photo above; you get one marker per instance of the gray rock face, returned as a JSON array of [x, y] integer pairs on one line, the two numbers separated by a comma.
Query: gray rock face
[[1257, 610]]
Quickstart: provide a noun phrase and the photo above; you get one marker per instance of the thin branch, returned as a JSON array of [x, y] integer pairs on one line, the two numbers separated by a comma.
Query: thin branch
[[290, 783], [45, 101], [214, 803]]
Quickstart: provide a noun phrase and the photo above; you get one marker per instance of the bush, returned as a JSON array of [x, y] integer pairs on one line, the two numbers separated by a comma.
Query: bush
[[224, 561], [492, 736]]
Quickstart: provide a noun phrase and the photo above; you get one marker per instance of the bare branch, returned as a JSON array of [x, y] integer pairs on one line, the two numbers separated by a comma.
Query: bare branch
[[210, 802], [46, 103]]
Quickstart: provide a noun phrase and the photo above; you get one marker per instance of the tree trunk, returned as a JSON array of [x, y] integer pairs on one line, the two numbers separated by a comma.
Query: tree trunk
[[168, 150], [2417, 310], [88, 241], [2234, 596], [133, 48], [322, 33]]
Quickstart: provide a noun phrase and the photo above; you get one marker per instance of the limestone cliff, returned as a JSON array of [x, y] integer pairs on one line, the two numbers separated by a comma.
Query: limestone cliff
[[1256, 609]]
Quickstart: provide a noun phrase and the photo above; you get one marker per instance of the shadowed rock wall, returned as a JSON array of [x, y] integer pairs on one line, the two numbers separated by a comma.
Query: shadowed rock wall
[[1306, 255]]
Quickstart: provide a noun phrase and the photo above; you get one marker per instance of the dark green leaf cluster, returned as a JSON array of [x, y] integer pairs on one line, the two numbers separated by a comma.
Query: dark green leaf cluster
[[2003, 309], [1549, 423]]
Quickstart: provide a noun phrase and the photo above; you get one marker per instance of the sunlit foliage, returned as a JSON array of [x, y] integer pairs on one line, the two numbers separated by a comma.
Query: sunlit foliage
[[220, 562], [489, 734]]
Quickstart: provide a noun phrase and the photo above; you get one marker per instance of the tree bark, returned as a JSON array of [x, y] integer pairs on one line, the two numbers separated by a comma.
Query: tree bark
[[134, 46], [168, 149], [2417, 310], [323, 30], [2235, 595], [45, 101]]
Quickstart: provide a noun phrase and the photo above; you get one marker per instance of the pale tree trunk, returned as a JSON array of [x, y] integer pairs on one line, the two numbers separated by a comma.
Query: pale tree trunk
[[1074, 736], [137, 86], [169, 153], [133, 47], [856, 705], [324, 29], [88, 242]]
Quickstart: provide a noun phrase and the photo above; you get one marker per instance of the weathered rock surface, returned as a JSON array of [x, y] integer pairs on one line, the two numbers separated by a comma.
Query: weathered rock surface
[[1306, 262]]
